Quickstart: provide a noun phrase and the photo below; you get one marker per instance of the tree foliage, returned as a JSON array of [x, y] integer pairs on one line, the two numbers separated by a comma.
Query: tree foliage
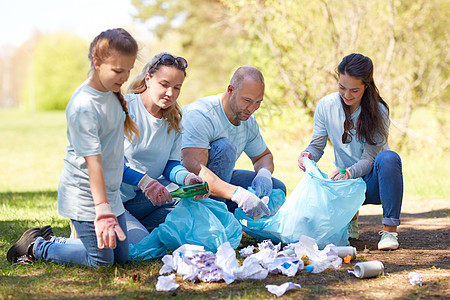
[[206, 38], [59, 66], [298, 45]]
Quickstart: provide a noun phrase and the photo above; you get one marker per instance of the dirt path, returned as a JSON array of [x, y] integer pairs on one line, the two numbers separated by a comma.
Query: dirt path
[[424, 237]]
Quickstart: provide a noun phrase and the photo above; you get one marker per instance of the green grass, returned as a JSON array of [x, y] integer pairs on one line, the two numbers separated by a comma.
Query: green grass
[[31, 156]]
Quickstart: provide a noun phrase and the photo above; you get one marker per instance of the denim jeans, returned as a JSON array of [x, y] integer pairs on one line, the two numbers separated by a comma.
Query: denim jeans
[[145, 212], [135, 230], [221, 161], [385, 186], [82, 251]]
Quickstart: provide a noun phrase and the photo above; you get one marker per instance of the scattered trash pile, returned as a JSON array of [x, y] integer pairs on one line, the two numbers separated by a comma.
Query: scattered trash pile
[[194, 263]]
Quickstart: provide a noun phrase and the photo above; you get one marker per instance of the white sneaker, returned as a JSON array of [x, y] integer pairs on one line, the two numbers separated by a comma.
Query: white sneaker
[[388, 240]]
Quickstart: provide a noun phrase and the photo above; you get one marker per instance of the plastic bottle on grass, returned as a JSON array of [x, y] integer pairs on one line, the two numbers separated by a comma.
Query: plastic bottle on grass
[[317, 267], [187, 191]]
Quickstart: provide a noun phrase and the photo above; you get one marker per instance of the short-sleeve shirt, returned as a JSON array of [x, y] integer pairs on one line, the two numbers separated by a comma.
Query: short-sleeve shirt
[[329, 120], [95, 124], [154, 149], [204, 121]]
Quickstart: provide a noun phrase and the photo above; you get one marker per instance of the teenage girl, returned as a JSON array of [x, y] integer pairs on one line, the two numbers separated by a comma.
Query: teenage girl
[[356, 120], [88, 192], [154, 161]]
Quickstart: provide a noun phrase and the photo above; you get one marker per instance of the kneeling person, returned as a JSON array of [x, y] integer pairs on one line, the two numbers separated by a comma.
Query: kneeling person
[[217, 129]]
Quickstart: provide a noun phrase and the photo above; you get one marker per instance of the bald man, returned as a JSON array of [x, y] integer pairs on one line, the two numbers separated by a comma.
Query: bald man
[[217, 129]]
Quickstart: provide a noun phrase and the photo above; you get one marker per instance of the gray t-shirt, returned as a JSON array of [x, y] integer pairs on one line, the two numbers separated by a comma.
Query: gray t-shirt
[[95, 123]]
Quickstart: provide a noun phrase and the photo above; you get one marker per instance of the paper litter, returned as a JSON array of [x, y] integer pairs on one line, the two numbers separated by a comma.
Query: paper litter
[[166, 283], [415, 278], [193, 262], [279, 290]]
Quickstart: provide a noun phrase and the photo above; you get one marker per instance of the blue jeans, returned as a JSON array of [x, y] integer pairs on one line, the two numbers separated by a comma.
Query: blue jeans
[[221, 161], [82, 251], [145, 212], [385, 186]]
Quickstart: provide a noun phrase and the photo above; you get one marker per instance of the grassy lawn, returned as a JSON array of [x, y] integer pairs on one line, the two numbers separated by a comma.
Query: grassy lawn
[[31, 156]]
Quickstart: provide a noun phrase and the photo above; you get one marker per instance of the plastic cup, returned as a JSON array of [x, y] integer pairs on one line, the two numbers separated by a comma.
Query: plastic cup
[[346, 250], [368, 269]]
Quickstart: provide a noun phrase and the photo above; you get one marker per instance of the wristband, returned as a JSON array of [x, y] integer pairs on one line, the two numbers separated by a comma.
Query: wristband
[[102, 208], [144, 182], [306, 154], [188, 177]]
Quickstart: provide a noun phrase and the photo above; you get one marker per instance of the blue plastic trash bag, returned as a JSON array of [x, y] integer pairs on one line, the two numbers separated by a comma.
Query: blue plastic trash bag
[[318, 207], [200, 222], [203, 222], [148, 248]]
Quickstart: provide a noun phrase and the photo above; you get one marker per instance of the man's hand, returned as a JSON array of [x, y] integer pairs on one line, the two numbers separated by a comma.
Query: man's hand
[[262, 183], [107, 227], [154, 191], [249, 203]]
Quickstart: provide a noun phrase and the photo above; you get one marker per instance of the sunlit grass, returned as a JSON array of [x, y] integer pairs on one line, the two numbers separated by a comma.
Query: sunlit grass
[[34, 146], [31, 156]]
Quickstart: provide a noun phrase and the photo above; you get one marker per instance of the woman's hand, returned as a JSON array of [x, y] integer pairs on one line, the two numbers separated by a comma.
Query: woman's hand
[[300, 162], [335, 175], [154, 191], [191, 178]]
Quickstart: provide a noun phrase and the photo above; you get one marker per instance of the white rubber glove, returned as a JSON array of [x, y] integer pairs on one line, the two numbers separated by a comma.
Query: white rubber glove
[[249, 203], [154, 191], [262, 183], [107, 227], [191, 178]]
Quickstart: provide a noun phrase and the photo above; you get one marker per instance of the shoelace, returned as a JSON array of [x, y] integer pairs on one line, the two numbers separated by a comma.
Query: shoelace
[[24, 260], [382, 232]]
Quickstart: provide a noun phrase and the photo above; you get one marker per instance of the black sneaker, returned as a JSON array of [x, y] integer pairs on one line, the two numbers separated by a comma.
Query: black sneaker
[[22, 246], [47, 232]]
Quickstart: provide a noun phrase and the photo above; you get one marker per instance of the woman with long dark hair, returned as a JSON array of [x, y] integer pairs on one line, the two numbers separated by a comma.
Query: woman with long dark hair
[[356, 120]]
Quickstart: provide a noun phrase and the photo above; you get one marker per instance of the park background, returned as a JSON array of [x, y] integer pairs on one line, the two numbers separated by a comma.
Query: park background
[[296, 44]]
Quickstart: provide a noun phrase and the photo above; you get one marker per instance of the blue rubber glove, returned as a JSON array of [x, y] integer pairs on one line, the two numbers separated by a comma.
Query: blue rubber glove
[[262, 183]]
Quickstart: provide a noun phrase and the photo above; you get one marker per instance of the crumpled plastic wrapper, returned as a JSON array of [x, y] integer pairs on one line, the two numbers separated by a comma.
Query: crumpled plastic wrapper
[[267, 244], [285, 265], [415, 278], [251, 269], [227, 262], [279, 290], [193, 262], [247, 251], [168, 265], [166, 283]]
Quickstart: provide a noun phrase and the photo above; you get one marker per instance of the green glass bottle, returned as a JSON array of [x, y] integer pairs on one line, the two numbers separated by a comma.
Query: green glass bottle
[[187, 191]]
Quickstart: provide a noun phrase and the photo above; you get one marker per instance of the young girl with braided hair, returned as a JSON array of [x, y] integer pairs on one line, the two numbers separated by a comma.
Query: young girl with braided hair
[[88, 192]]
